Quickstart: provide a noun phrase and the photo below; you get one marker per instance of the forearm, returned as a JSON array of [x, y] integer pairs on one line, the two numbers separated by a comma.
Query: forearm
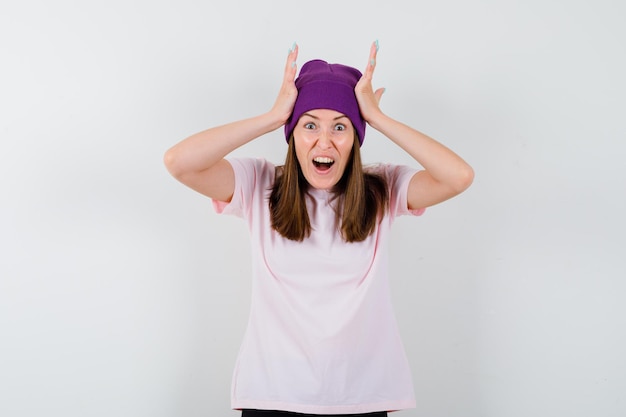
[[204, 149], [440, 162]]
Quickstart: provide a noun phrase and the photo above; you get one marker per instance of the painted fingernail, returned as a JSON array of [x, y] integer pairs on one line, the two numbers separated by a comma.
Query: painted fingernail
[[372, 62], [377, 45], [293, 64]]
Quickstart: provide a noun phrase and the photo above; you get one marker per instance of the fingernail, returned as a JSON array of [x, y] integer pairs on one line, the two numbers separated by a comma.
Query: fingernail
[[372, 62], [293, 64], [377, 45]]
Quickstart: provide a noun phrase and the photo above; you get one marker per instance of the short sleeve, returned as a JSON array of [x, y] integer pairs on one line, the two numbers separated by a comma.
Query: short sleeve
[[398, 178], [250, 174]]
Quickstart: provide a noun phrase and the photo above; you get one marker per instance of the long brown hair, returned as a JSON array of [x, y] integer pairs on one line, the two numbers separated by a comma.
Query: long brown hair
[[361, 199]]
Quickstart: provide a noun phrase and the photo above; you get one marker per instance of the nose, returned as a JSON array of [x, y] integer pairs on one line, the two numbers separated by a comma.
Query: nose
[[324, 140]]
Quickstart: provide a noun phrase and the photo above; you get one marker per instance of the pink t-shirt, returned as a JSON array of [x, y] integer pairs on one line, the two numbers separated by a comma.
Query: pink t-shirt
[[322, 336]]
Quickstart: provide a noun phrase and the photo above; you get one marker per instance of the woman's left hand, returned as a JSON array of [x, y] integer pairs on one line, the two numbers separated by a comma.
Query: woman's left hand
[[367, 98]]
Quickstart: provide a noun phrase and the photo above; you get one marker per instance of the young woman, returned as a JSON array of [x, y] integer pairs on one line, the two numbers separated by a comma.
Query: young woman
[[322, 337]]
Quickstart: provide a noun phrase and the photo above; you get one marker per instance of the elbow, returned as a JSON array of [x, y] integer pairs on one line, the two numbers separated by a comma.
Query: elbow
[[171, 160], [464, 179]]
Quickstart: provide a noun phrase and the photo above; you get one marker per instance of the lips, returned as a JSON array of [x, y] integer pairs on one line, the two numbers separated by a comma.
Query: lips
[[323, 163]]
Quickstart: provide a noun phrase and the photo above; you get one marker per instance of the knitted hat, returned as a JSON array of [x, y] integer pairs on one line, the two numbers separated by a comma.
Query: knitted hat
[[327, 86]]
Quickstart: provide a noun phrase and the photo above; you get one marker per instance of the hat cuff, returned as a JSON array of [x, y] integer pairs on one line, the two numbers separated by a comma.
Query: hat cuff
[[327, 94]]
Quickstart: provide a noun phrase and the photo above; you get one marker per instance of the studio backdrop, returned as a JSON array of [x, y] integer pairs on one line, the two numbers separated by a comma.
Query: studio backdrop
[[122, 293]]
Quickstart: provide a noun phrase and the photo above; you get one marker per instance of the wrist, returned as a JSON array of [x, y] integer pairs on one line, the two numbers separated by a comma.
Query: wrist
[[277, 118], [273, 119], [378, 120]]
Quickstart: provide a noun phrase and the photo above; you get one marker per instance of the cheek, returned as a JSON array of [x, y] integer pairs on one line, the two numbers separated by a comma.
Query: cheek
[[302, 161], [344, 139], [346, 147], [301, 154], [302, 139]]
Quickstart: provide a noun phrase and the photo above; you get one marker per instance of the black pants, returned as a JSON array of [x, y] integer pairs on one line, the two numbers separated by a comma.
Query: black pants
[[275, 413]]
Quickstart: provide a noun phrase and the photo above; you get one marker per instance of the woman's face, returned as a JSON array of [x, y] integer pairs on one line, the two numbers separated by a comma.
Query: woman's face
[[323, 140]]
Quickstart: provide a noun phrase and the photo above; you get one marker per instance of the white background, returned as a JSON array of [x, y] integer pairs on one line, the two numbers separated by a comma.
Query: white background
[[123, 294]]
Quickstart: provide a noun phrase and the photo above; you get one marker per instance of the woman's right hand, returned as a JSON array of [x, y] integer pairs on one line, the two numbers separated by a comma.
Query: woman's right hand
[[283, 106], [198, 161]]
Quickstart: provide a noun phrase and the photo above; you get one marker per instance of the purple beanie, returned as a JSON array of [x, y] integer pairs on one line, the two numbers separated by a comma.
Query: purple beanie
[[327, 86]]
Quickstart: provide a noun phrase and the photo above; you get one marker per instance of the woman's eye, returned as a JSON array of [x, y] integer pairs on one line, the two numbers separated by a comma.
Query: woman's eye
[[309, 126], [340, 127]]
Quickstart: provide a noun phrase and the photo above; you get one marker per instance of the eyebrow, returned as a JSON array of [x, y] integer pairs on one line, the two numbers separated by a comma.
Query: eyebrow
[[317, 118]]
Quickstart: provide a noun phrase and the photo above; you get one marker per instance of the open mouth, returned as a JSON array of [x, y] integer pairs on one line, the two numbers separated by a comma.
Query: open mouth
[[323, 163]]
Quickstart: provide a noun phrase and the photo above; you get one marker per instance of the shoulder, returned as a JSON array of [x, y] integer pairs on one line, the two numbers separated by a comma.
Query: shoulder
[[391, 173], [257, 164], [252, 169]]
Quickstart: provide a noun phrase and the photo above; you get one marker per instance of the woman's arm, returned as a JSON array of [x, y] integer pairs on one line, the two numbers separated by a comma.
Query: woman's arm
[[445, 173], [198, 161]]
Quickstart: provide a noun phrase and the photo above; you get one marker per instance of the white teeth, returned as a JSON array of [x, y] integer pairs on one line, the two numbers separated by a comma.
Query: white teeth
[[323, 160]]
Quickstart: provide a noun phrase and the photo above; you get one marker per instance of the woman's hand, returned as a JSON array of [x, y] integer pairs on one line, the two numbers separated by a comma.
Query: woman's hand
[[283, 106], [444, 175], [198, 161], [367, 98]]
